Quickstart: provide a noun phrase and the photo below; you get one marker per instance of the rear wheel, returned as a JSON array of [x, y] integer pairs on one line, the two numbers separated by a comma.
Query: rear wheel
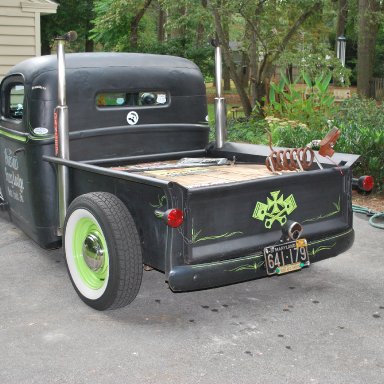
[[102, 250]]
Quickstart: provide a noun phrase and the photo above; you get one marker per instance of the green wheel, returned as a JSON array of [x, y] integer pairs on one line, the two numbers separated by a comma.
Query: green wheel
[[102, 251]]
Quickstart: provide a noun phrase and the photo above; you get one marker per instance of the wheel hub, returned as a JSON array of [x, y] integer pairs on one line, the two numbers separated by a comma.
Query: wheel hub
[[93, 252]]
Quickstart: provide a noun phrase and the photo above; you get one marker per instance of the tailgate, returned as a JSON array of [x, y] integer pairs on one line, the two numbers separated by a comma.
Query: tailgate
[[233, 220]]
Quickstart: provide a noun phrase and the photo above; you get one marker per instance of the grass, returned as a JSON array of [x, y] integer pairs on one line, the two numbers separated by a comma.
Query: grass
[[211, 112], [211, 89]]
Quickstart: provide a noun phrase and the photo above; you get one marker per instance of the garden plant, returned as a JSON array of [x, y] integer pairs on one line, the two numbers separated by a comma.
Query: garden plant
[[297, 115]]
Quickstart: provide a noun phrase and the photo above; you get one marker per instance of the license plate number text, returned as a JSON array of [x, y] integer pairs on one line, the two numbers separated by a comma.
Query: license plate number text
[[286, 257]]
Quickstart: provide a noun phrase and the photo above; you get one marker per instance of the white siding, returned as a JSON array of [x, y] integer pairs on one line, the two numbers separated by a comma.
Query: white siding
[[20, 30]]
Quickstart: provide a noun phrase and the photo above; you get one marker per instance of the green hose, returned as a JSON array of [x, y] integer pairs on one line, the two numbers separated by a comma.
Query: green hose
[[374, 215]]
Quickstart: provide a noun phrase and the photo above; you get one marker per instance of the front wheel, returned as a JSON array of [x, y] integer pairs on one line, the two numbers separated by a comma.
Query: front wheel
[[102, 251]]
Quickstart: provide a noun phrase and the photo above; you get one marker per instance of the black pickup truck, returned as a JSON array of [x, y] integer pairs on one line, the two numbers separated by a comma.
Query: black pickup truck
[[109, 155]]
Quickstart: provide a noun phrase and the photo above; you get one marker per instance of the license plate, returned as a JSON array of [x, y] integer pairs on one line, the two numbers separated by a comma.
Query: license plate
[[286, 257]]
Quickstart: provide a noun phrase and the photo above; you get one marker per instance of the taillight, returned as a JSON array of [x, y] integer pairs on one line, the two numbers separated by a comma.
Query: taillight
[[366, 183], [363, 184], [173, 217]]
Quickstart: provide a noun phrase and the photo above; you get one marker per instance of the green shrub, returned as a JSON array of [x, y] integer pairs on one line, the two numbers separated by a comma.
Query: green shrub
[[361, 122], [244, 130], [290, 133], [312, 105]]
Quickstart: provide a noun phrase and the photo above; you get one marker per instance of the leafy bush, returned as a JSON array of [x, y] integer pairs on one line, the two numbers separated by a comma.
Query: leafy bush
[[361, 122], [248, 131], [312, 105], [290, 133]]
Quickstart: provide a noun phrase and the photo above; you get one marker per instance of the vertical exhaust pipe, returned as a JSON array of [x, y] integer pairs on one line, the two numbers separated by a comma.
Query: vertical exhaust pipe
[[220, 116], [61, 127]]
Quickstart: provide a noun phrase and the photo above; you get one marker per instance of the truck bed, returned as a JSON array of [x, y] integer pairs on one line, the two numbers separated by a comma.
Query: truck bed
[[232, 212], [199, 176]]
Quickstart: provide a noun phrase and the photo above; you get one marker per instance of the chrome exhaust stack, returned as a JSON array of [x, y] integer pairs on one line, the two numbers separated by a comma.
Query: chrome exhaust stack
[[220, 115], [61, 127]]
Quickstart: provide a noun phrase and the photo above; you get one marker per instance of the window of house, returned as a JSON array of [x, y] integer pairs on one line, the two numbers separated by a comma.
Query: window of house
[[132, 99]]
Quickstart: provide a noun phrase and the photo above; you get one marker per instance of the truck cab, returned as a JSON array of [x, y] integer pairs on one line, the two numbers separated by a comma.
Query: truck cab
[[120, 105]]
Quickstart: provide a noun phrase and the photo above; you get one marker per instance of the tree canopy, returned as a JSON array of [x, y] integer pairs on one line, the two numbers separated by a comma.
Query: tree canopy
[[257, 36]]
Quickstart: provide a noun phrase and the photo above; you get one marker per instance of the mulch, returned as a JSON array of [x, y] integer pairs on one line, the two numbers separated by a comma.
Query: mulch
[[374, 202]]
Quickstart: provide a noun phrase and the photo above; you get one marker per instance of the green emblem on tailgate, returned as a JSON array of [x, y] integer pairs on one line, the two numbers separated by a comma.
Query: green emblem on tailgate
[[276, 209]]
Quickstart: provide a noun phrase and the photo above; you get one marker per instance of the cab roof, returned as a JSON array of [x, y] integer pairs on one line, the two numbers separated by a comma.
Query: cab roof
[[101, 71], [100, 60]]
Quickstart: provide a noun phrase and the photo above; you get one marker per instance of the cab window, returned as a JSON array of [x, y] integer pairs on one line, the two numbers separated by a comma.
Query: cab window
[[132, 99], [15, 103], [12, 99]]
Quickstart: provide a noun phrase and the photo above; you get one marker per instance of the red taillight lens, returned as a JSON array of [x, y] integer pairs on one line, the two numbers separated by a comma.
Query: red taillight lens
[[366, 183], [174, 217]]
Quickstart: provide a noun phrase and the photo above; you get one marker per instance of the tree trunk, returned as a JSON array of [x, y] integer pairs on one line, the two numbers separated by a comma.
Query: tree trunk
[[89, 44], [200, 28], [368, 28], [134, 30], [226, 78], [244, 70], [289, 72], [45, 48], [261, 81], [262, 70], [226, 70], [245, 102], [254, 68], [179, 31], [161, 30], [341, 19]]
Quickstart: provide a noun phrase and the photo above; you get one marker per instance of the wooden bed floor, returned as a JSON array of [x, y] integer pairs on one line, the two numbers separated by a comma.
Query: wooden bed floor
[[200, 176]]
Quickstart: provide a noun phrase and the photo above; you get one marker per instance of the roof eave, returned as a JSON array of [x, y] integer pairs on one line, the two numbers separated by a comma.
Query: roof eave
[[42, 6]]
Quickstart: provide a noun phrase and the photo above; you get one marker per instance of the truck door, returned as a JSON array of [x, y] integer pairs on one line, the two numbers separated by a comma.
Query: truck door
[[13, 137]]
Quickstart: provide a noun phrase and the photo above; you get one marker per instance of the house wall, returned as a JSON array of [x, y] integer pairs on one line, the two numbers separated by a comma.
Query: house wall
[[20, 30]]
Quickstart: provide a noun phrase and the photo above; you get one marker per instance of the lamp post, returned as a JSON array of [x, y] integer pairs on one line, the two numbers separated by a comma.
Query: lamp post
[[340, 48], [341, 43]]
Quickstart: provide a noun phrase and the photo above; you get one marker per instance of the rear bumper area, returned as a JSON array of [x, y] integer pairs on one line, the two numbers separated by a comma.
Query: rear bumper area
[[209, 275]]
